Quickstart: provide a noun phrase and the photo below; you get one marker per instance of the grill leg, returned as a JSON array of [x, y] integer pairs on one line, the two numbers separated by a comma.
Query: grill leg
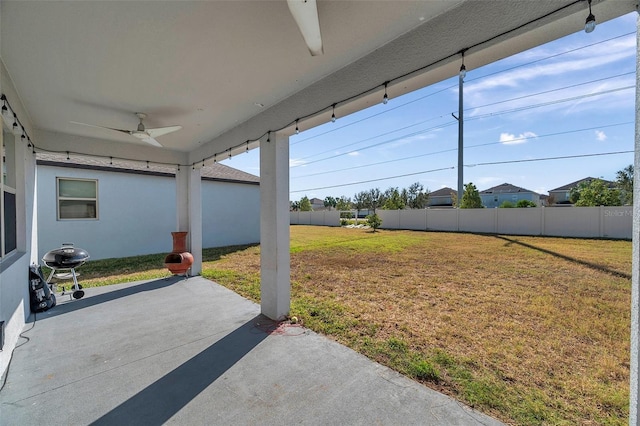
[[75, 279], [52, 287]]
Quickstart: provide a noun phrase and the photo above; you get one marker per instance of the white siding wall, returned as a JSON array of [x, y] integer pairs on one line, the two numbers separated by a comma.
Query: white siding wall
[[230, 214]]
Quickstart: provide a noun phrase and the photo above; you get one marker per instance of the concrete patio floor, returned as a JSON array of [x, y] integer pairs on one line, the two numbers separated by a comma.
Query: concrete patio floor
[[191, 352]]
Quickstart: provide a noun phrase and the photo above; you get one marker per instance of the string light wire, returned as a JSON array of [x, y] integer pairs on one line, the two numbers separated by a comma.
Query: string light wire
[[377, 87]]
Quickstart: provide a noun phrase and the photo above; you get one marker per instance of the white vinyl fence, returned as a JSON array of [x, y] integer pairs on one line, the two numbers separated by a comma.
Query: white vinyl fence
[[585, 222]]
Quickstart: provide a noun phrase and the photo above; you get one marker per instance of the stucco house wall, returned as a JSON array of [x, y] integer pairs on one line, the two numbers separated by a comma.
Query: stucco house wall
[[137, 212], [230, 213]]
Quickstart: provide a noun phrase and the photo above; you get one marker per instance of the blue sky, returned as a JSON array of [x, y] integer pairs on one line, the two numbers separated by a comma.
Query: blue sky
[[571, 97]]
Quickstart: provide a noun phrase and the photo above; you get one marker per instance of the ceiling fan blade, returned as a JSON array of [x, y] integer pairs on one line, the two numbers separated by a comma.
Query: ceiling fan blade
[[151, 141], [305, 13], [159, 131], [102, 127]]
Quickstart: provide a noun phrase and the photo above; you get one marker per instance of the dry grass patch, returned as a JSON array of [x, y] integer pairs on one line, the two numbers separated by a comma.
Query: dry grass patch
[[531, 330]]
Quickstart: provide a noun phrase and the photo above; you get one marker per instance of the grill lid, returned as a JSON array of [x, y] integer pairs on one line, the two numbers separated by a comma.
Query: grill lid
[[66, 256]]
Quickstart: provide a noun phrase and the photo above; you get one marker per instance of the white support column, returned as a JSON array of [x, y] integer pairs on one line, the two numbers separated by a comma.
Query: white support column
[[189, 212], [21, 194], [275, 284], [182, 199], [634, 391], [195, 220]]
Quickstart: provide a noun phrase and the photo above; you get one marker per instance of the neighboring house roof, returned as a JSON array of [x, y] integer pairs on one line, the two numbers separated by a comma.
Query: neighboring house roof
[[443, 192], [316, 201], [215, 172], [505, 188], [587, 180]]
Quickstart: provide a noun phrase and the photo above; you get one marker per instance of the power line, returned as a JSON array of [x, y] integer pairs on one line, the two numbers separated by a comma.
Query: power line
[[549, 158], [373, 116], [557, 101], [467, 165], [558, 89], [552, 56], [477, 117], [443, 115], [375, 180], [470, 80], [468, 147]]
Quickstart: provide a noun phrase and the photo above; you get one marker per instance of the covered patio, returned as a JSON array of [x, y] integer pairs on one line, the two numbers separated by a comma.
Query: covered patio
[[178, 351], [234, 76]]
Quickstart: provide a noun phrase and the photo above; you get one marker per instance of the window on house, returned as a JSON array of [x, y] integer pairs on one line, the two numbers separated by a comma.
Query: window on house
[[77, 198], [8, 228]]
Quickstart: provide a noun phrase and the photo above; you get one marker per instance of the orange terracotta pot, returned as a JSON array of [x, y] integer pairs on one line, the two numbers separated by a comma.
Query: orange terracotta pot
[[179, 260]]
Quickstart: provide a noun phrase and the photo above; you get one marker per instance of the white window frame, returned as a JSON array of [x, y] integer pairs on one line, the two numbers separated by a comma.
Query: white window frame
[[59, 198], [10, 159]]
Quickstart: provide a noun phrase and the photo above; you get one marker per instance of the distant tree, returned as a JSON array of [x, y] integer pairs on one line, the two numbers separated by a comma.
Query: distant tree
[[525, 203], [416, 196], [624, 182], [361, 201], [507, 205], [595, 193], [551, 199], [330, 202], [454, 199], [393, 200], [343, 203], [376, 199], [471, 197], [374, 221], [294, 206], [305, 204]]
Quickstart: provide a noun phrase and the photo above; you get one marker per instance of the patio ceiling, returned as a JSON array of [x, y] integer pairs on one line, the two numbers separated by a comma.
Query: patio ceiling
[[229, 71]]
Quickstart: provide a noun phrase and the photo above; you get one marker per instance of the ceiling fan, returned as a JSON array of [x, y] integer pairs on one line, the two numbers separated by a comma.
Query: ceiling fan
[[142, 133]]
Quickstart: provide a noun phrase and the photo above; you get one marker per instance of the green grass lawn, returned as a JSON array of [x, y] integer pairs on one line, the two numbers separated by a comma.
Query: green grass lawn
[[531, 330]]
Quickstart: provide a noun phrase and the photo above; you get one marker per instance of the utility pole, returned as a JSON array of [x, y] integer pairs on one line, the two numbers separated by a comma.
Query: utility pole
[[461, 76]]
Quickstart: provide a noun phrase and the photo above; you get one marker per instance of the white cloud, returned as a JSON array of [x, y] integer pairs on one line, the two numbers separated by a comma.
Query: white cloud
[[295, 162], [511, 139], [601, 136], [574, 62], [353, 154]]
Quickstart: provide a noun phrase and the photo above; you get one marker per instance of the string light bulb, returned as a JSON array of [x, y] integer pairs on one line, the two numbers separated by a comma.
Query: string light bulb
[[385, 98], [229, 153], [16, 127], [297, 129], [6, 113], [147, 164], [333, 113], [68, 155], [215, 160], [203, 162], [247, 151], [463, 69], [590, 23]]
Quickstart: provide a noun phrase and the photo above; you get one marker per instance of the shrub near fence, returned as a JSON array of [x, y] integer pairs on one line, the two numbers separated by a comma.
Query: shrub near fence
[[585, 222]]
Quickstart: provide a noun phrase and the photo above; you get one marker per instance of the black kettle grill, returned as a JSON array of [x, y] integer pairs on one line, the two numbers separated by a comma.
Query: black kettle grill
[[66, 258]]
